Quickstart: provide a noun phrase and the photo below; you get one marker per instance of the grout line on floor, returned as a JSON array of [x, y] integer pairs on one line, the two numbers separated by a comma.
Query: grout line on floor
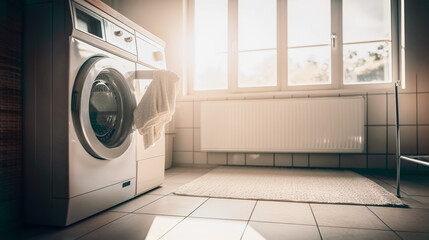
[[149, 203], [126, 214], [81, 236], [250, 217], [184, 218], [298, 224], [384, 223], [317, 225]]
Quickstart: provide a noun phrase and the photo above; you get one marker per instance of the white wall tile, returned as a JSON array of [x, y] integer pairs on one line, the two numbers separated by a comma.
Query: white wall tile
[[391, 162], [365, 139], [184, 115], [405, 165], [376, 139], [200, 157], [283, 159], [260, 159], [353, 161], [183, 140], [236, 159], [377, 161], [197, 114], [391, 139], [365, 107], [422, 77], [390, 109], [300, 159], [183, 158], [216, 158], [423, 108], [197, 139], [408, 139], [377, 109], [324, 160], [407, 109], [423, 140]]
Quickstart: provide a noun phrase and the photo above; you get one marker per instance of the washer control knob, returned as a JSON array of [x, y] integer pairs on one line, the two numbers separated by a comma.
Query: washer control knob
[[128, 39]]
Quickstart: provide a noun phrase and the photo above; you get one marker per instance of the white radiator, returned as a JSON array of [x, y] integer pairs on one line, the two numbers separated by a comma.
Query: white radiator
[[321, 125]]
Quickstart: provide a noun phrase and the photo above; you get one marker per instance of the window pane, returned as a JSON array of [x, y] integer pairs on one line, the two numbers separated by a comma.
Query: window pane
[[257, 68], [366, 20], [257, 24], [211, 44], [309, 65], [309, 22], [257, 43], [367, 63]]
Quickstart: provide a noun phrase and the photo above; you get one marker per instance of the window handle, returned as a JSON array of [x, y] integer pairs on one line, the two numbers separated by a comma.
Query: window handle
[[333, 39]]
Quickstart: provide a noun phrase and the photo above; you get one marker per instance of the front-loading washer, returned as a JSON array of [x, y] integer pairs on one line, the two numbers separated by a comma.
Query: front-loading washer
[[79, 143], [102, 153]]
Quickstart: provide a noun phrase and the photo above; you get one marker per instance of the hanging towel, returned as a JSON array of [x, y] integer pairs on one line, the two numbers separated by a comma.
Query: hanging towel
[[157, 106]]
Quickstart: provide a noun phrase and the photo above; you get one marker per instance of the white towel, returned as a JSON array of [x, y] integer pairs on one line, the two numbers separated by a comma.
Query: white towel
[[157, 106]]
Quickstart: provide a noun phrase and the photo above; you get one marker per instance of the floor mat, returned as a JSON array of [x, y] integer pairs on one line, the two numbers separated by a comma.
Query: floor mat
[[290, 184]]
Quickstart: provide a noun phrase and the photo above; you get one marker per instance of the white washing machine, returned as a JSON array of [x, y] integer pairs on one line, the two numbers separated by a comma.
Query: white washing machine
[[80, 146]]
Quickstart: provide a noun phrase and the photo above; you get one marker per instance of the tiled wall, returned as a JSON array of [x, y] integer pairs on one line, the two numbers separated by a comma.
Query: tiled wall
[[10, 112], [379, 125]]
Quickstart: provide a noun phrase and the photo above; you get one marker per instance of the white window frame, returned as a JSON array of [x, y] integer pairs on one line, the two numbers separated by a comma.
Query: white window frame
[[337, 82]]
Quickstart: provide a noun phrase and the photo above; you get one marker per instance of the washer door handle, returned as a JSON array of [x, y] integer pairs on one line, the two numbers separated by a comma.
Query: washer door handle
[[75, 104]]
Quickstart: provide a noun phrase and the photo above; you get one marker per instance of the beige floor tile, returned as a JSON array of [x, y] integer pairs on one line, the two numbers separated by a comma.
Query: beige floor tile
[[173, 205], [346, 216], [207, 229], [329, 233], [424, 201], [283, 212], [73, 231], [135, 226], [408, 186], [165, 189], [414, 189], [136, 203], [280, 231], [404, 219], [413, 236], [225, 209]]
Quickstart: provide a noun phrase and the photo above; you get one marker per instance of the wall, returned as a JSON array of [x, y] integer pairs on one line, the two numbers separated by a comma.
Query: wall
[[380, 130], [11, 19]]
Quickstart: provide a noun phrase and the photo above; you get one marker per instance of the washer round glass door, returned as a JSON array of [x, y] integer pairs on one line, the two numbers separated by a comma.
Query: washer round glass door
[[102, 107]]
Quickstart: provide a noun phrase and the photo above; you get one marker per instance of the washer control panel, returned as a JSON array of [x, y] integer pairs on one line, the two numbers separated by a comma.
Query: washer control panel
[[120, 37], [95, 23]]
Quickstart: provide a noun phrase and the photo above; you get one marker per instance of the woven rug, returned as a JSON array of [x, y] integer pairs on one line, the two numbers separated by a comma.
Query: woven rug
[[290, 184]]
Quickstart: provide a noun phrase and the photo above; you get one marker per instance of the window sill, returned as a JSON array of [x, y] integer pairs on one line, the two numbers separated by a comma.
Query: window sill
[[287, 94]]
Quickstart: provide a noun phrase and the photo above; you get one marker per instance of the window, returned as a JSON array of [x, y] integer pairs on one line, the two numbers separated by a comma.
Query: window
[[309, 50], [265, 45], [366, 41], [211, 58], [257, 43]]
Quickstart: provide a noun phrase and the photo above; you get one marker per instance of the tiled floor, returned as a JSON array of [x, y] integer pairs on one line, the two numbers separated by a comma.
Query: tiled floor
[[159, 214]]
